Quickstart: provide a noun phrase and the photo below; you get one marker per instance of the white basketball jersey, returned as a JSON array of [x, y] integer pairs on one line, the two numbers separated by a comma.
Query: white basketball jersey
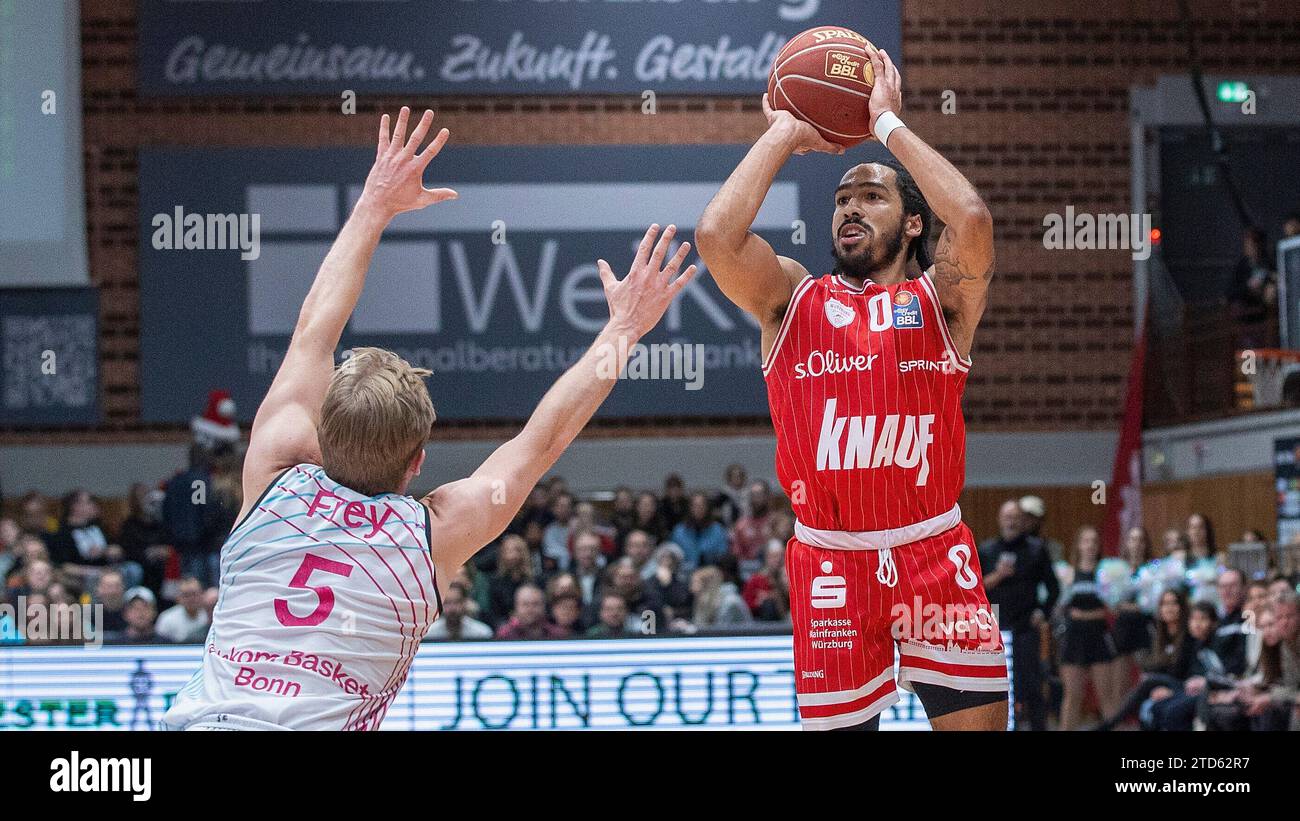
[[325, 596]]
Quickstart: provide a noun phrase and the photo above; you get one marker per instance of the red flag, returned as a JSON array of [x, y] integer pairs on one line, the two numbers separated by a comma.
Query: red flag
[[1124, 496]]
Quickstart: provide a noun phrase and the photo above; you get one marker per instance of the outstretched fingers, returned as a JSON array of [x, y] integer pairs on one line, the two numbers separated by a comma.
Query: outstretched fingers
[[435, 145], [399, 130], [417, 135], [643, 250], [677, 259], [383, 136], [607, 277], [675, 287], [661, 248]]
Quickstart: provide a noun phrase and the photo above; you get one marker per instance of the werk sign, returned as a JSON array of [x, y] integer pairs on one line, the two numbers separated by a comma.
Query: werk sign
[[481, 46], [679, 682], [496, 292]]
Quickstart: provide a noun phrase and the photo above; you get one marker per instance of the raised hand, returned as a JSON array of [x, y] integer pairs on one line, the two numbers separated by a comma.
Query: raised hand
[[395, 183], [887, 91], [637, 301], [805, 137]]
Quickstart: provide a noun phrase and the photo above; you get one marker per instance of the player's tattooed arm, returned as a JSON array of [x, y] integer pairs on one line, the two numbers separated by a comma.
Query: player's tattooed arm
[[963, 260], [284, 431], [467, 514]]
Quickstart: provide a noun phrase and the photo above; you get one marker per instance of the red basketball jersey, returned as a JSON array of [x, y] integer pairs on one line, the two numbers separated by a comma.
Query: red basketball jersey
[[864, 386]]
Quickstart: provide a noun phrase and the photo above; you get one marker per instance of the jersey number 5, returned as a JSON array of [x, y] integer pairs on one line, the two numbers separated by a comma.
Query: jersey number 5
[[325, 595]]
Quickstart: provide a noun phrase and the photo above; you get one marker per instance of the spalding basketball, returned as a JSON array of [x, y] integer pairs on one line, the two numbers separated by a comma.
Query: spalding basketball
[[823, 76]]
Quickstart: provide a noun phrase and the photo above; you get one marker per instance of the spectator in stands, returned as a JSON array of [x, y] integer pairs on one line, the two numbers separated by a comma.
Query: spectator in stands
[[1034, 512], [1174, 544], [1086, 645], [1174, 708], [1200, 538], [556, 486], [1131, 631], [37, 578], [478, 587], [138, 613], [514, 569], [1168, 665], [80, 548], [562, 584], [143, 537], [534, 536], [9, 535], [528, 619], [219, 514], [1291, 225], [767, 592], [585, 519], [110, 592], [183, 501], [535, 507], [210, 598], [749, 536], [29, 549], [34, 516], [780, 528], [702, 539], [667, 583], [455, 623], [732, 501], [588, 564], [638, 549], [623, 513], [1230, 636], [613, 618], [674, 505], [718, 604], [187, 621], [566, 614], [1234, 709], [1016, 565], [1253, 290], [555, 539], [643, 603], [648, 517]]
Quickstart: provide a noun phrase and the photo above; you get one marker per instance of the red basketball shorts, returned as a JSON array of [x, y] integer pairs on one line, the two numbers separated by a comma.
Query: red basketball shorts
[[852, 608]]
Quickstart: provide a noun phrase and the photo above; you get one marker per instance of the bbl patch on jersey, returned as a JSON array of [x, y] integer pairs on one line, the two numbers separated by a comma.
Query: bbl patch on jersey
[[907, 310]]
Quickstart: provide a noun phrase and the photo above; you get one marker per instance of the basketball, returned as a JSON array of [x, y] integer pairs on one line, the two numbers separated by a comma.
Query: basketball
[[823, 76]]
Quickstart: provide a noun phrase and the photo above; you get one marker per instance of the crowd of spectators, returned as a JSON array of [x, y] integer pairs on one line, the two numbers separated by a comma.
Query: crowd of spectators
[[641, 564], [1215, 645], [1185, 635], [637, 564]]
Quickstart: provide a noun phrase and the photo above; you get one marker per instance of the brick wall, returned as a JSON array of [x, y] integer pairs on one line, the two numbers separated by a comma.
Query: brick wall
[[1041, 89]]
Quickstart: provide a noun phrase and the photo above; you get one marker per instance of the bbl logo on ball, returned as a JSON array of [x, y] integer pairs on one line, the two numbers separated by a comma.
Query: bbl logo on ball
[[845, 64], [907, 310]]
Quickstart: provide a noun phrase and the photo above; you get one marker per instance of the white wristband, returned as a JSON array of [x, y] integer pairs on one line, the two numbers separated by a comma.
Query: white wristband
[[885, 125]]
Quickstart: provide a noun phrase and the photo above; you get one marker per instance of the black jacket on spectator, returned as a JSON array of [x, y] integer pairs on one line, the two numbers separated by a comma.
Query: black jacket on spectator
[[137, 536], [1017, 596], [63, 549], [675, 594], [183, 518], [1229, 643]]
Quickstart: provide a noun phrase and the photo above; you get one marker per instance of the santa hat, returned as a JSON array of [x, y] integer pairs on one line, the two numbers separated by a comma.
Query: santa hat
[[217, 425]]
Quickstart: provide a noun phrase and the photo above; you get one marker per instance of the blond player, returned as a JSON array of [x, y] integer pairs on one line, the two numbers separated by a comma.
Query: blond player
[[332, 575]]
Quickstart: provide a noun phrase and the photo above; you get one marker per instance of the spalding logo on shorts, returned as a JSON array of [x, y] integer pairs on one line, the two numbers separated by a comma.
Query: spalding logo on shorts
[[959, 555], [829, 592]]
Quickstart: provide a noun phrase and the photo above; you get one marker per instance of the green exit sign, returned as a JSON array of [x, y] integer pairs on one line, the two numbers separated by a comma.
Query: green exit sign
[[1233, 91]]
